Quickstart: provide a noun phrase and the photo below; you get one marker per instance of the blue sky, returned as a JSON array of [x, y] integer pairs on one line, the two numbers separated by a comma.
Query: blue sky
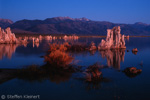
[[117, 11]]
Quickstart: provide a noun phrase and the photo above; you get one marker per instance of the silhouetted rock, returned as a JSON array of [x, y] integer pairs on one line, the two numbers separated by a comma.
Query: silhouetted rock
[[114, 40]]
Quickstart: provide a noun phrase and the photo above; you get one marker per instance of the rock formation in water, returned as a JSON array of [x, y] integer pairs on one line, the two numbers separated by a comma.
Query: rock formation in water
[[132, 71], [113, 40], [6, 36], [134, 51]]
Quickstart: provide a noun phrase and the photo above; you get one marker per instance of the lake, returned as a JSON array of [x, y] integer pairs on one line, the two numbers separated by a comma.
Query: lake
[[115, 85]]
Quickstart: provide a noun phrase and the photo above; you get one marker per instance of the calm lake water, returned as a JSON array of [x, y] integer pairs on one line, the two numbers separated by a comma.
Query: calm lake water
[[70, 86]]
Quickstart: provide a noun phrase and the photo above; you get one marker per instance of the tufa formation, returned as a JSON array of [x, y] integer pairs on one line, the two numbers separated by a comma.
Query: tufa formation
[[113, 40], [6, 36]]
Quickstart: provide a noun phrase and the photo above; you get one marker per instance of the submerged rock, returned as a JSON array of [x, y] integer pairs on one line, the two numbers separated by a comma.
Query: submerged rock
[[113, 40]]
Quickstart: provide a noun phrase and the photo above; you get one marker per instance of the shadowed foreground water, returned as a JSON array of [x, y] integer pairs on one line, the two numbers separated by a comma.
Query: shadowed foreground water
[[69, 85]]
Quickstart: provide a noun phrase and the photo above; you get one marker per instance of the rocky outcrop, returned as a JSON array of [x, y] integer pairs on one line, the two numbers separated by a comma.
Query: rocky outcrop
[[113, 40], [6, 36], [134, 51]]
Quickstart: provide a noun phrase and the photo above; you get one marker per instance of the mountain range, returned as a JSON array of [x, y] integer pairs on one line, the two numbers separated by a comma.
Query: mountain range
[[67, 25]]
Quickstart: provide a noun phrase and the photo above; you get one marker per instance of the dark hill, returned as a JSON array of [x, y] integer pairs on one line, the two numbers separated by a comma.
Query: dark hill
[[5, 23]]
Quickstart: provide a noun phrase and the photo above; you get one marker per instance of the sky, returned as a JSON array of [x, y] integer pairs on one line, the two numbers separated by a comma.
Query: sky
[[116, 11]]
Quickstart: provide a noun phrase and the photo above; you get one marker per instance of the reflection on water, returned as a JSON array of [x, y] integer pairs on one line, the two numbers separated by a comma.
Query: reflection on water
[[6, 50], [36, 44], [94, 77], [114, 57], [35, 73]]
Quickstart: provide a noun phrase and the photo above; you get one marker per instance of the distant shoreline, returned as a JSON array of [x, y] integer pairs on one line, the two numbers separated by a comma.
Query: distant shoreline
[[105, 36], [61, 35]]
